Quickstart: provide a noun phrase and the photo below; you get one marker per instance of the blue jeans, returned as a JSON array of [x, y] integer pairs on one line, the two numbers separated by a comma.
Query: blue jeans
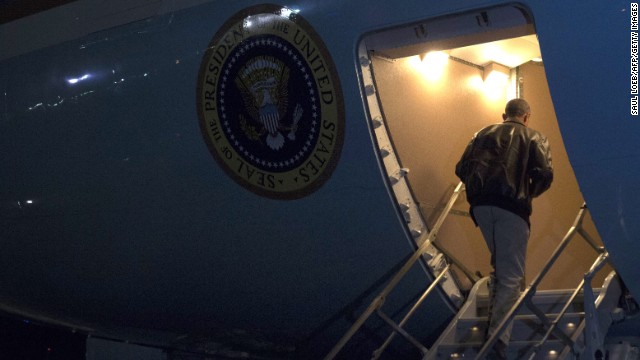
[[506, 235]]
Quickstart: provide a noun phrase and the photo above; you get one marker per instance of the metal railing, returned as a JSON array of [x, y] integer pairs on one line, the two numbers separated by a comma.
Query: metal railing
[[425, 241], [589, 304], [527, 296]]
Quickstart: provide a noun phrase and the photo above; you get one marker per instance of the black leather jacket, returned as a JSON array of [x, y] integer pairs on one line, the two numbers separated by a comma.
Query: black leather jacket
[[506, 165]]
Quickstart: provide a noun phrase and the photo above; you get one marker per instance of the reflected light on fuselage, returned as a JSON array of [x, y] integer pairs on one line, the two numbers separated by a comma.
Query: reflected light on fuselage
[[74, 81], [286, 12]]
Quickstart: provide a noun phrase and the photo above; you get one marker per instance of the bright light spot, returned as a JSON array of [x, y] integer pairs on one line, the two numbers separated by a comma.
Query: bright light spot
[[495, 86], [286, 13], [436, 58], [496, 79], [475, 82], [475, 328], [537, 59], [29, 201], [493, 92], [432, 65], [73, 81], [31, 108]]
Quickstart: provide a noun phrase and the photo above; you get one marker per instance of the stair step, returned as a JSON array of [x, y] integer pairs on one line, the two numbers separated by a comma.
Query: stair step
[[525, 327], [549, 301], [465, 335], [516, 350]]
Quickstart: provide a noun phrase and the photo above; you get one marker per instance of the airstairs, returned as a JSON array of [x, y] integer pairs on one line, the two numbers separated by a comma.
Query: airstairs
[[549, 324], [530, 337]]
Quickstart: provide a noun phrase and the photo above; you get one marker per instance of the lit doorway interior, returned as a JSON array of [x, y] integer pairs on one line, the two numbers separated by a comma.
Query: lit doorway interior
[[430, 87]]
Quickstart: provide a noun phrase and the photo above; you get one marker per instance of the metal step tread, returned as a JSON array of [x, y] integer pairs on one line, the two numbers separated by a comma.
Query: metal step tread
[[515, 350], [525, 327], [551, 302], [552, 316]]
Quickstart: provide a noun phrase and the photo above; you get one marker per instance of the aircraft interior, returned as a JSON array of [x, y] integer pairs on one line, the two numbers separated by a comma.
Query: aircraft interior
[[447, 96]]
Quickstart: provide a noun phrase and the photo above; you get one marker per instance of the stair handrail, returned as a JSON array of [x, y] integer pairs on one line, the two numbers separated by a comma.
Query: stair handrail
[[593, 320], [585, 285], [398, 327], [425, 241], [527, 296]]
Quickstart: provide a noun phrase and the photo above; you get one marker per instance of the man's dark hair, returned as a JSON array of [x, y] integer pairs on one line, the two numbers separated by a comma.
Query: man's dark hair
[[517, 107]]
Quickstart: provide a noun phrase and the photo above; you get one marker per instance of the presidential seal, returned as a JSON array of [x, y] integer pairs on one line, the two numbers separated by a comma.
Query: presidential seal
[[270, 103]]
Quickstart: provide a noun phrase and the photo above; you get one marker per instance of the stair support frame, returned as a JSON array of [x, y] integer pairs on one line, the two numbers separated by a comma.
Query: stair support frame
[[418, 253]]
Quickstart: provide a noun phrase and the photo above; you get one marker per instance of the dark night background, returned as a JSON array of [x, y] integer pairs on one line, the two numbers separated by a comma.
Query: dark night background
[[15, 9], [23, 339], [26, 340]]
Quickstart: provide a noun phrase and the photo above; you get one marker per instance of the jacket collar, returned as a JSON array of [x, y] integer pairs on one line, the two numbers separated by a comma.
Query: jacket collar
[[513, 120]]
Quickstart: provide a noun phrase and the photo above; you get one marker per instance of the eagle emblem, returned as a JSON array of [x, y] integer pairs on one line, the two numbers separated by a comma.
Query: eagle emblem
[[263, 83], [270, 103]]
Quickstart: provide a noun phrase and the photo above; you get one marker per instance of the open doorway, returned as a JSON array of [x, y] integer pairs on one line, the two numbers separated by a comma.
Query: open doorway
[[430, 86]]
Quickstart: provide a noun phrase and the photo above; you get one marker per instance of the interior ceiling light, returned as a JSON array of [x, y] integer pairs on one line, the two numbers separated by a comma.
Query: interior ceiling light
[[432, 65], [495, 73], [435, 58], [496, 79]]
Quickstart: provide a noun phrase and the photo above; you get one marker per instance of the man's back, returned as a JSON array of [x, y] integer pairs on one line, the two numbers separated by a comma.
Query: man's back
[[506, 165]]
